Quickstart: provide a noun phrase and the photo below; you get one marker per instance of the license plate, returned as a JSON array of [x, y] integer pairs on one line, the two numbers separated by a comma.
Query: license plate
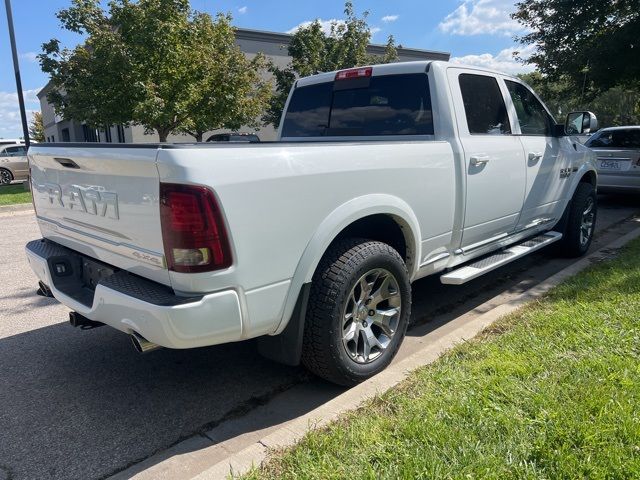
[[610, 165]]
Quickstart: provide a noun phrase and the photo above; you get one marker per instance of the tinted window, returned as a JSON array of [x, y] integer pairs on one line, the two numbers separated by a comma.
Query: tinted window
[[532, 116], [385, 105], [308, 112], [15, 151], [483, 105], [615, 139]]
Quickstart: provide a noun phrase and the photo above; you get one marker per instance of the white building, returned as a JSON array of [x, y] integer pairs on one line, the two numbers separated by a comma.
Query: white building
[[273, 45]]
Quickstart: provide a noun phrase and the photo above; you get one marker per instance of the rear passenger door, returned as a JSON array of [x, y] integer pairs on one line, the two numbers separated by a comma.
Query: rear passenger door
[[547, 158], [494, 159]]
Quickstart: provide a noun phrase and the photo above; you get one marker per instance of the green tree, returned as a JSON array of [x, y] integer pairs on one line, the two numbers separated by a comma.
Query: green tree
[[615, 106], [36, 127], [591, 44], [313, 51], [229, 90], [148, 63]]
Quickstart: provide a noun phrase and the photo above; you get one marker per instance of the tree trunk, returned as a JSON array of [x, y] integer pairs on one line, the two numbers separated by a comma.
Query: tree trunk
[[163, 133], [198, 136]]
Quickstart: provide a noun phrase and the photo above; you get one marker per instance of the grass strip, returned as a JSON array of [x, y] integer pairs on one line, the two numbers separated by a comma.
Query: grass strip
[[14, 194], [551, 391]]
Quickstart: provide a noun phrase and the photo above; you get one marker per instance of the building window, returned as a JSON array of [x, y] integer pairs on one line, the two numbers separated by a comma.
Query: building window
[[65, 135], [89, 134], [107, 134], [120, 129]]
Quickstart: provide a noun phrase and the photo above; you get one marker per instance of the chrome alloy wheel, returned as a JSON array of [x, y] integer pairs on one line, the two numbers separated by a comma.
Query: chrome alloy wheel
[[371, 315], [5, 177], [586, 225]]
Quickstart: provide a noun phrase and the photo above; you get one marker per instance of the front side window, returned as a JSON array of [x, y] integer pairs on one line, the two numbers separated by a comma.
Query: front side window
[[484, 105], [615, 139], [385, 105], [532, 116]]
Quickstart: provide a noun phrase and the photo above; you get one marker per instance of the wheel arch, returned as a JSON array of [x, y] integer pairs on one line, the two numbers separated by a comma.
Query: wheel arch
[[590, 176], [357, 217]]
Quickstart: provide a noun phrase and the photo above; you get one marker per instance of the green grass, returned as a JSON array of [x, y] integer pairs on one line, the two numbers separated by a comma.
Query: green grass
[[13, 194], [552, 391]]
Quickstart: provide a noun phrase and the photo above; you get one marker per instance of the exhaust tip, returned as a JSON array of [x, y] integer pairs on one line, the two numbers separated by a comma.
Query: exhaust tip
[[142, 345]]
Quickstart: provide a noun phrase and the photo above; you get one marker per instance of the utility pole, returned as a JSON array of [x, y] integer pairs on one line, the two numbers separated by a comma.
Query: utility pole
[[16, 68]]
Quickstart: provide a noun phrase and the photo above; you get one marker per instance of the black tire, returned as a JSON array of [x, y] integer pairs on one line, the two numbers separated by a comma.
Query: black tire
[[342, 267], [6, 177], [575, 242]]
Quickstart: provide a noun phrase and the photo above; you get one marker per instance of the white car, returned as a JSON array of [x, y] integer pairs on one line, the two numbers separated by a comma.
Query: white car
[[618, 150], [382, 175]]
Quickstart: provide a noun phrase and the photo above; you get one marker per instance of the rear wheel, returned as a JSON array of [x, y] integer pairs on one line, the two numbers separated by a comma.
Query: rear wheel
[[5, 177], [358, 311], [581, 221]]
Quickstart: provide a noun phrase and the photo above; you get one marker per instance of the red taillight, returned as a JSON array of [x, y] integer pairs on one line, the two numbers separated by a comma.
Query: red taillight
[[354, 73], [193, 231]]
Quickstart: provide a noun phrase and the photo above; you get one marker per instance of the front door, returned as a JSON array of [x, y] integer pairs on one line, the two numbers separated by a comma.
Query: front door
[[494, 158], [547, 158]]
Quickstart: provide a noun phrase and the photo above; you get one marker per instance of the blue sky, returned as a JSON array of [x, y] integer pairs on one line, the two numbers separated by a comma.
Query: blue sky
[[474, 31]]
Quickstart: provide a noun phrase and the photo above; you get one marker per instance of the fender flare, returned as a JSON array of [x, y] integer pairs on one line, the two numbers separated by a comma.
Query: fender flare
[[335, 223], [576, 179], [584, 169]]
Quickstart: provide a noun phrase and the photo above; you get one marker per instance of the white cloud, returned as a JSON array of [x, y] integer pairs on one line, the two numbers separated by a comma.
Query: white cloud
[[390, 18], [504, 61], [30, 56], [475, 17], [243, 10], [325, 25], [10, 124]]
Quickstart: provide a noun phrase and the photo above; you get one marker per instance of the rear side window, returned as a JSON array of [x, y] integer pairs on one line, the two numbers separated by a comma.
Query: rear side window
[[616, 139], [532, 116], [385, 105], [484, 105], [15, 151]]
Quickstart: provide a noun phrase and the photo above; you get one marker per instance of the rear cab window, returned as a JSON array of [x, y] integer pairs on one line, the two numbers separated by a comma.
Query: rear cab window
[[387, 105]]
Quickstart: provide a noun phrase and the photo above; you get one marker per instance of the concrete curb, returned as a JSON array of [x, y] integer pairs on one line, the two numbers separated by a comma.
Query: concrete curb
[[19, 207], [240, 462]]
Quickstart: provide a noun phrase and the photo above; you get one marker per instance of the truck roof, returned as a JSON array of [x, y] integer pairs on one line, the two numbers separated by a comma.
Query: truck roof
[[397, 68]]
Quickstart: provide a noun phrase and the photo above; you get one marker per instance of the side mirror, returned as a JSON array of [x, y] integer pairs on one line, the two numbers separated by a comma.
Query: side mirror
[[580, 123]]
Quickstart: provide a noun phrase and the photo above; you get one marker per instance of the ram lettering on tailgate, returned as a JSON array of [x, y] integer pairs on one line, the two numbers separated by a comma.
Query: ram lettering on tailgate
[[93, 200]]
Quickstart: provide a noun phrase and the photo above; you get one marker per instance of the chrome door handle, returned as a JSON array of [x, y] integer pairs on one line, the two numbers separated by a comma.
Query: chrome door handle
[[535, 156], [478, 160]]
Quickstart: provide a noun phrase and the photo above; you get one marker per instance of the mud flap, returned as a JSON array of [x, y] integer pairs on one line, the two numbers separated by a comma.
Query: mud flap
[[286, 348]]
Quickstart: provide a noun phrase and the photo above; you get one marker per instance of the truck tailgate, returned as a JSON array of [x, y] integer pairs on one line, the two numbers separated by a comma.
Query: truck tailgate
[[102, 202]]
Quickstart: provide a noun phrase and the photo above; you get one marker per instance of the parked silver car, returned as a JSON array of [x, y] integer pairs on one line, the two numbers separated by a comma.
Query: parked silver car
[[13, 163], [618, 150]]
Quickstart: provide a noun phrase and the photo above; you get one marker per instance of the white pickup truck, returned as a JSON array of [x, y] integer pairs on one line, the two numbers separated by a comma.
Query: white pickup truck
[[381, 175]]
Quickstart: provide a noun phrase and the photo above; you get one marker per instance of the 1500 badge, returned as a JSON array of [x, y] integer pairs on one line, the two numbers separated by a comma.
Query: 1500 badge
[[91, 200]]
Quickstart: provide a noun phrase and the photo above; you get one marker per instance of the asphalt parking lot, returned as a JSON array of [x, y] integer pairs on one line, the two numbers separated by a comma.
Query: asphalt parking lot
[[84, 404]]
